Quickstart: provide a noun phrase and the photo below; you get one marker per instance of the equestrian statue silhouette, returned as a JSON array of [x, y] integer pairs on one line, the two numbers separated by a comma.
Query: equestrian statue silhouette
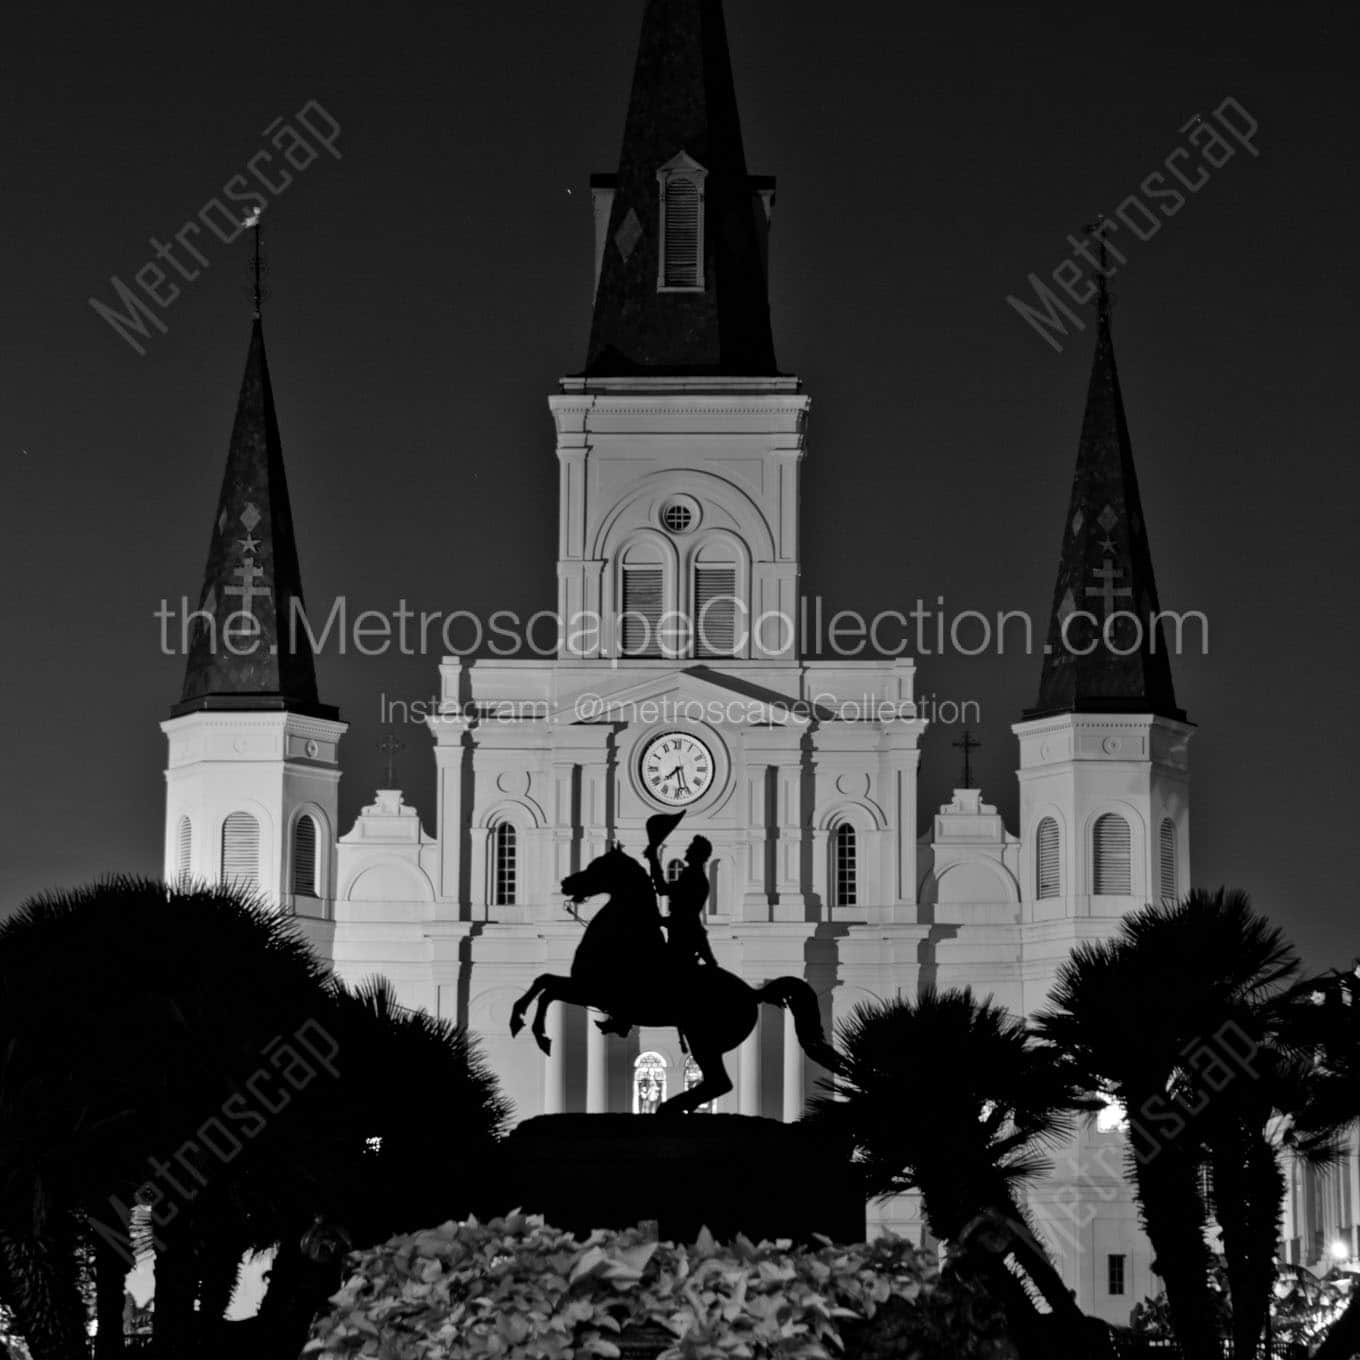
[[624, 968]]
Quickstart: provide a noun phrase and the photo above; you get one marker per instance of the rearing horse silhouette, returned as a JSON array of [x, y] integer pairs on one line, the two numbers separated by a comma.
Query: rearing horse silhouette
[[622, 967]]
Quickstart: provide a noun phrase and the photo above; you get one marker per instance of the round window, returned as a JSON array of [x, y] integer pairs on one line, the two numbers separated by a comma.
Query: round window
[[679, 514]]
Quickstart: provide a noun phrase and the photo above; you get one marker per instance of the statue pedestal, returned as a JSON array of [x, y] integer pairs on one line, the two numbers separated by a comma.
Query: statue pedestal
[[730, 1173]]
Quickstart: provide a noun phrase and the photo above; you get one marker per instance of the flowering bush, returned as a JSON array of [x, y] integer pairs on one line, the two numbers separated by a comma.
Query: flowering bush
[[517, 1289]]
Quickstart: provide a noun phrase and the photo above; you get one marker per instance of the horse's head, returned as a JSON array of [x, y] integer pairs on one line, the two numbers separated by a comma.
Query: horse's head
[[614, 872]]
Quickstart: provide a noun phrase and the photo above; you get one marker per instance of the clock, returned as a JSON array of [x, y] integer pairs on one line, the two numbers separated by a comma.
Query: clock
[[677, 769]]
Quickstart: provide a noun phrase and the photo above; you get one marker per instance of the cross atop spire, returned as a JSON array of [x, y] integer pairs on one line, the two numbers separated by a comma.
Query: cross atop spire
[[248, 645], [683, 119], [1106, 649]]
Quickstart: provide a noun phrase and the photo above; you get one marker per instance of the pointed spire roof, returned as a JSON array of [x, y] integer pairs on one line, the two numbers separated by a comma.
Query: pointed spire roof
[[1105, 568], [684, 103], [252, 574]]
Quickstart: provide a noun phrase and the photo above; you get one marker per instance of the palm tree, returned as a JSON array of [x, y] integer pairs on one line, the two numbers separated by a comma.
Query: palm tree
[[1182, 1018], [130, 1014], [950, 1096], [405, 1137]]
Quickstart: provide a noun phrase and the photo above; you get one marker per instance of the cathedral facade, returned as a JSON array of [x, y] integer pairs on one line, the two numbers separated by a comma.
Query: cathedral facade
[[679, 685]]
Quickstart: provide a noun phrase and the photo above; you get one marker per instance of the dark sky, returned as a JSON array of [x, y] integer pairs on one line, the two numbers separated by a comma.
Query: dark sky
[[429, 287]]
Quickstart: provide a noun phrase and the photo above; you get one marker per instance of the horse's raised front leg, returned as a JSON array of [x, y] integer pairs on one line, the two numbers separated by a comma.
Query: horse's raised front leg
[[714, 1083], [523, 1004], [555, 988]]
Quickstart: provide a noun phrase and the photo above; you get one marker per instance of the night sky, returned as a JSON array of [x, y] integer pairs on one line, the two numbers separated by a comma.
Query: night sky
[[429, 286]]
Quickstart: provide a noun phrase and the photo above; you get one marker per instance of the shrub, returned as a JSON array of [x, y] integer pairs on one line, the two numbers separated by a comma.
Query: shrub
[[517, 1289]]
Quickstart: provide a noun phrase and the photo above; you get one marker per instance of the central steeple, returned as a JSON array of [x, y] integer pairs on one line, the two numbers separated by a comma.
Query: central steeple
[[681, 252]]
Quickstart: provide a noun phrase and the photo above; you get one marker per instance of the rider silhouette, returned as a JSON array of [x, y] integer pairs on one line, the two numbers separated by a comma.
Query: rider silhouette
[[687, 940], [686, 896]]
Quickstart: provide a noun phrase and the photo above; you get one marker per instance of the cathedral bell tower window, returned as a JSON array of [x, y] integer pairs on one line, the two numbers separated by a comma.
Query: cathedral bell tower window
[[644, 586], [1048, 860], [681, 257], [715, 611], [1113, 856], [1167, 852], [184, 848], [241, 851], [679, 514], [304, 857]]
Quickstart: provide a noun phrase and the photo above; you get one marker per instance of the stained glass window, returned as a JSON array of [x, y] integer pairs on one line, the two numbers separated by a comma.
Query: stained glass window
[[693, 1076], [649, 1082]]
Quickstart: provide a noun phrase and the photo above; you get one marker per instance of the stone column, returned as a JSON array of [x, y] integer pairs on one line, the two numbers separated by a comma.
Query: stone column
[[748, 1092], [555, 1063], [597, 1067], [793, 1072]]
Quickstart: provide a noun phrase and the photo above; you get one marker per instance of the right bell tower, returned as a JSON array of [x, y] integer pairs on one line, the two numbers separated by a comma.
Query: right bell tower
[[1104, 753]]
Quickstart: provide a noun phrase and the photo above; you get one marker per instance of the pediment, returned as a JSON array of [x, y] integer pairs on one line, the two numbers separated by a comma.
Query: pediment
[[681, 164]]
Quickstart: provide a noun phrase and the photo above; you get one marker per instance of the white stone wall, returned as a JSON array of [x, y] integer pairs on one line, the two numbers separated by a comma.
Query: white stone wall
[[274, 766]]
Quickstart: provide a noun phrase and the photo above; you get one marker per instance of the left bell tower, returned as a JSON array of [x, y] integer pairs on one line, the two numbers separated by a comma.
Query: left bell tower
[[253, 773]]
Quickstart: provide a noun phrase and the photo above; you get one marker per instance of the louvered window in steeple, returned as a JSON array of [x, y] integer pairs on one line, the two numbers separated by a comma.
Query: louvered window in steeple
[[682, 234], [184, 848], [1048, 859], [241, 851], [304, 857], [681, 257], [1167, 852], [1113, 856]]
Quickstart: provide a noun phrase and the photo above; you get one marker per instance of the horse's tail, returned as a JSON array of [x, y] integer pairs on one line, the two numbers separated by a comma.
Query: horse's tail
[[801, 1001]]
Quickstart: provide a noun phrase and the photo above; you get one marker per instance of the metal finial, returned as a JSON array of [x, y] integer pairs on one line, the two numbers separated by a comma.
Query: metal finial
[[1103, 296], [252, 222], [967, 744]]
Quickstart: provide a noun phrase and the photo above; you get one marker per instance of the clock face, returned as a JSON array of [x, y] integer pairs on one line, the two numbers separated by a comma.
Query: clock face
[[677, 769]]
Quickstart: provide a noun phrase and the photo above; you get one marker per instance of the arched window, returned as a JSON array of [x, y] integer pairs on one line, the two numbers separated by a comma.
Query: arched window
[[649, 1082], [184, 848], [682, 246], [844, 867], [241, 850], [1047, 860], [304, 857], [1167, 850], [1113, 856], [674, 869], [504, 865], [642, 590], [715, 609], [693, 1076]]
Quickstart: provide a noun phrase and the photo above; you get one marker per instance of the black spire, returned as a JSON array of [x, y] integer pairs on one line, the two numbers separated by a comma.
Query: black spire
[[245, 652], [1105, 568], [684, 104]]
